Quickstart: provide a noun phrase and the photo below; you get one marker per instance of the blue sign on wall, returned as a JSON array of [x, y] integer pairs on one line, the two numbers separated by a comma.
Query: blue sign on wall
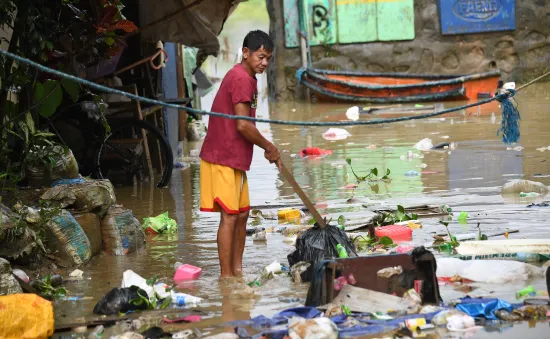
[[474, 16]]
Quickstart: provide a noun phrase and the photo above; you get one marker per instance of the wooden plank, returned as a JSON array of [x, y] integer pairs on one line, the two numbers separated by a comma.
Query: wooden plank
[[320, 21], [363, 300], [395, 19], [311, 208], [356, 21], [291, 23]]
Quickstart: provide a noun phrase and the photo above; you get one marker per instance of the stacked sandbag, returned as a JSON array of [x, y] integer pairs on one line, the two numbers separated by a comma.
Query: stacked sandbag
[[8, 284], [91, 224], [42, 173], [94, 196], [66, 239], [18, 243], [121, 231]]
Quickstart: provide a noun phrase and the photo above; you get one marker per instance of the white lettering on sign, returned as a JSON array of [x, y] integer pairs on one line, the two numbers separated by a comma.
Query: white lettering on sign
[[477, 10]]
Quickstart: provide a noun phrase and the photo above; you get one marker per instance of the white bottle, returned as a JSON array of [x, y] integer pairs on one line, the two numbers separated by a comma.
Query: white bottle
[[182, 299]]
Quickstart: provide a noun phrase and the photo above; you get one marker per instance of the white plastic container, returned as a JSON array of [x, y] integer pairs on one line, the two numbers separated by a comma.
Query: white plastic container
[[182, 299]]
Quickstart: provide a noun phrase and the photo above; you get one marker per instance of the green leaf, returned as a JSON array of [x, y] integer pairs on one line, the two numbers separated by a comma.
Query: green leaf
[[386, 241], [462, 218], [109, 41], [38, 94], [374, 171], [348, 160], [30, 123], [72, 88], [341, 220], [54, 94], [311, 221], [165, 303]]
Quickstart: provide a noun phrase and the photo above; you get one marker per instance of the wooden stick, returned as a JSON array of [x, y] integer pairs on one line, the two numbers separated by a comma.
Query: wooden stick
[[303, 196]]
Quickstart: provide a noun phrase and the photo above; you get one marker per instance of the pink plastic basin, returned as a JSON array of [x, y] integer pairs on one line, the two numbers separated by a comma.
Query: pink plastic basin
[[187, 272], [397, 233]]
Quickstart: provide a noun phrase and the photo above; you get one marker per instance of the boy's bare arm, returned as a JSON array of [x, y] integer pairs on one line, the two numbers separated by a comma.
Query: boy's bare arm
[[251, 133]]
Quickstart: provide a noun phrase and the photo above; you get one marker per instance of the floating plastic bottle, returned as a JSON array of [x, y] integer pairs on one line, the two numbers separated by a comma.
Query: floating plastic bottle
[[528, 194], [342, 253], [182, 299]]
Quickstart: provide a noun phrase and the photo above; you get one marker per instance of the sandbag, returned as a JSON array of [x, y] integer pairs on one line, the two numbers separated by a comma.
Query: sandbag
[[67, 240], [121, 232], [18, 243], [26, 316], [91, 224], [120, 300], [95, 196], [8, 284], [517, 186], [43, 173]]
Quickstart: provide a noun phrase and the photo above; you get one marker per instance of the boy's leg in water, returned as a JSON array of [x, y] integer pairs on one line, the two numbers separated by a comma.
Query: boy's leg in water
[[239, 240], [225, 243]]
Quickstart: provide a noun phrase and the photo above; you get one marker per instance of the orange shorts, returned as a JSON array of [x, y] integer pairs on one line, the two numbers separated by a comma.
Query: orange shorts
[[224, 188]]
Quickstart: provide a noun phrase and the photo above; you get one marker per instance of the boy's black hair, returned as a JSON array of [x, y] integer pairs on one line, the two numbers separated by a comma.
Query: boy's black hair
[[256, 39]]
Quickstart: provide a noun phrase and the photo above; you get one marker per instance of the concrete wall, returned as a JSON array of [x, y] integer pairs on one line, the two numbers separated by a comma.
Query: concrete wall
[[520, 54]]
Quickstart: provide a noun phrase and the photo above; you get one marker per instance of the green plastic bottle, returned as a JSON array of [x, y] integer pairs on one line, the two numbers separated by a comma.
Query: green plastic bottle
[[342, 253], [529, 290]]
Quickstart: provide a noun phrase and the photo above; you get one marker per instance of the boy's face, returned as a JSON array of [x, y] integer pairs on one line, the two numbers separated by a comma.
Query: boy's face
[[257, 60]]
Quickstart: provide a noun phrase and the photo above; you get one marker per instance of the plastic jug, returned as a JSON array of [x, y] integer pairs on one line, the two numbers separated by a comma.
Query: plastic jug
[[187, 272], [396, 233], [289, 215]]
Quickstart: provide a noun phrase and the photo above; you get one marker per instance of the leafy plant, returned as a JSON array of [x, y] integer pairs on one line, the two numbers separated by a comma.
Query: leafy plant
[[364, 243], [390, 218], [155, 302], [373, 174], [46, 289], [453, 242]]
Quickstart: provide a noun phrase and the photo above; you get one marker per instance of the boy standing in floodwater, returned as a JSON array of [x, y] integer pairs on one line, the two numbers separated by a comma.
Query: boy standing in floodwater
[[226, 153]]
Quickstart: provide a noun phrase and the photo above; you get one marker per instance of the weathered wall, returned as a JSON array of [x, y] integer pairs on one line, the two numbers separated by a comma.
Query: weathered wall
[[520, 54]]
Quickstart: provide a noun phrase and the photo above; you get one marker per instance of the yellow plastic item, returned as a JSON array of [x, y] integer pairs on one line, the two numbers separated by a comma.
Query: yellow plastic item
[[25, 316], [289, 214]]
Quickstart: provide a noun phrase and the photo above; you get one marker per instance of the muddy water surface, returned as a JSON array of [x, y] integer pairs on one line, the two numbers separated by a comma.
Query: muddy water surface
[[467, 178]]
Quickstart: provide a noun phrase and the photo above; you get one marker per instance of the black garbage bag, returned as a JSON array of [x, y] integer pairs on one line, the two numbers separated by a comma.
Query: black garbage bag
[[156, 333], [120, 300], [317, 244]]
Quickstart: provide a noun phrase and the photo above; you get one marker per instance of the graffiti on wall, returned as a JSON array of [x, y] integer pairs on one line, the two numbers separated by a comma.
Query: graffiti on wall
[[475, 16], [349, 21]]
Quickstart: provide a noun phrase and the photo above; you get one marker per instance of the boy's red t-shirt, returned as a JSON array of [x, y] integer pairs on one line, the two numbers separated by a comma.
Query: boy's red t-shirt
[[223, 144]]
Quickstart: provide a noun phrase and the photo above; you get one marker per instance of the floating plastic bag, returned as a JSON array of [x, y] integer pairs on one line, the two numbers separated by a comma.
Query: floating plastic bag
[[313, 151], [517, 186], [121, 231], [67, 240], [316, 244], [424, 144], [336, 134], [488, 271], [160, 224], [26, 316], [120, 300]]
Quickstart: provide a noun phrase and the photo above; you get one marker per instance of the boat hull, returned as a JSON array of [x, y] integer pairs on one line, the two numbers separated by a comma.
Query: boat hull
[[392, 88]]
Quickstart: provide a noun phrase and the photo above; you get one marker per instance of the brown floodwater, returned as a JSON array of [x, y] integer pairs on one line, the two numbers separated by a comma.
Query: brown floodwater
[[468, 178]]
